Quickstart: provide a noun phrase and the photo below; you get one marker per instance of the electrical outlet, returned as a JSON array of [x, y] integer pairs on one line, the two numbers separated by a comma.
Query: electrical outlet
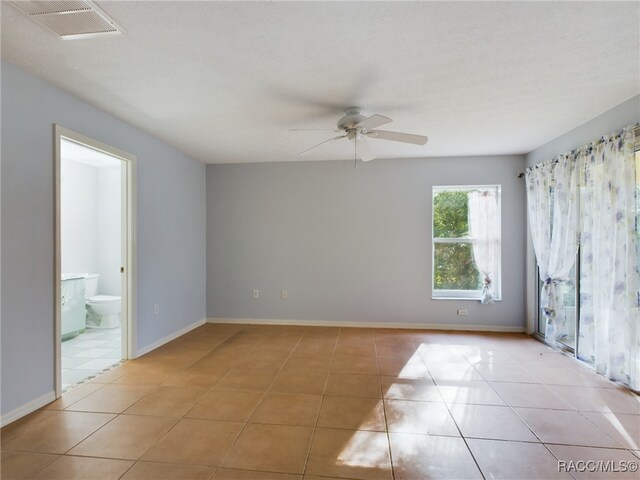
[[256, 293], [284, 294], [156, 309], [462, 312]]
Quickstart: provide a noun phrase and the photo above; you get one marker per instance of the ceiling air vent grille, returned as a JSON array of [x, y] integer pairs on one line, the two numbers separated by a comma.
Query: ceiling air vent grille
[[72, 19]]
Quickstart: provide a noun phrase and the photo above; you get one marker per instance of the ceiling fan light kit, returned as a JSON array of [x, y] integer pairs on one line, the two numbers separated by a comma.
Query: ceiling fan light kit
[[356, 127]]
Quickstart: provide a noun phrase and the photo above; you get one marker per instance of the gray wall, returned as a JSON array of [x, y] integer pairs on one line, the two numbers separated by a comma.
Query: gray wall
[[349, 245], [170, 230], [627, 113]]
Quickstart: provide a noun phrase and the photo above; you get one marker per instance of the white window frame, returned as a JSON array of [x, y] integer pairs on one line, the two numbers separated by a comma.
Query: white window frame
[[463, 294]]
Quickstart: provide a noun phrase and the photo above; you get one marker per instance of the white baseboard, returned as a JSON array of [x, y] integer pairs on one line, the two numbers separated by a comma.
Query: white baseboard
[[27, 408], [331, 323], [146, 349]]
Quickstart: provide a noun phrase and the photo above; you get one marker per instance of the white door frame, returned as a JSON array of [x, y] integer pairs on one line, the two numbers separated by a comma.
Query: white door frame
[[128, 244]]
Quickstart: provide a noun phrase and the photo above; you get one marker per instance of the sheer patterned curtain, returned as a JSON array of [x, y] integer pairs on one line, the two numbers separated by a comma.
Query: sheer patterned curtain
[[552, 199], [484, 228], [609, 272]]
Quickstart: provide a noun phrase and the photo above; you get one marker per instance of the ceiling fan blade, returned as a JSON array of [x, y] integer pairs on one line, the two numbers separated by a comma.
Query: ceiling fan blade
[[363, 150], [373, 121], [398, 137], [321, 143]]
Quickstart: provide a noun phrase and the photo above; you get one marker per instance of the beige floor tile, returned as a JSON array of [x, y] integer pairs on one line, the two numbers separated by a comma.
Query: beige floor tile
[[478, 355], [453, 371], [253, 379], [26, 422], [433, 354], [608, 400], [167, 471], [356, 335], [346, 363], [418, 457], [400, 368], [315, 346], [410, 389], [419, 417], [498, 372], [530, 395], [23, 465], [110, 375], [78, 468], [229, 405], [621, 427], [229, 474], [308, 362], [515, 460], [491, 422], [568, 454], [299, 381], [271, 448], [352, 413], [569, 376], [405, 350], [56, 434], [195, 442], [349, 454], [111, 398], [153, 376], [167, 402], [353, 385], [473, 392], [287, 409], [316, 477], [565, 427], [188, 378], [127, 437], [361, 349], [72, 396]]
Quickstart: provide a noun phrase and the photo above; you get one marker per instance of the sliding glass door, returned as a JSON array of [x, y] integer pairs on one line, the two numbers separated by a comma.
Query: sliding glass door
[[567, 312]]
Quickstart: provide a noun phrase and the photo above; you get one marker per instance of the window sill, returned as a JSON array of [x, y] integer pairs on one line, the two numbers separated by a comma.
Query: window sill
[[466, 299]]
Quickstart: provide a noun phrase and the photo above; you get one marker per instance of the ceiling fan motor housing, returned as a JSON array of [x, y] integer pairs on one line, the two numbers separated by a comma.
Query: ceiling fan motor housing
[[351, 119]]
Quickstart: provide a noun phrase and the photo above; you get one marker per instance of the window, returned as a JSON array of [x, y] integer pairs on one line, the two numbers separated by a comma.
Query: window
[[466, 241]]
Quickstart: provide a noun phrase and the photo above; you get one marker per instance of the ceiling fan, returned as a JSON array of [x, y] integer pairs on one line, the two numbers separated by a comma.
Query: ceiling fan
[[356, 127]]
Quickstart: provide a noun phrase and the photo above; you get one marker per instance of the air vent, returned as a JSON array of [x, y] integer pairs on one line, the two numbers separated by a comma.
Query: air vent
[[72, 19]]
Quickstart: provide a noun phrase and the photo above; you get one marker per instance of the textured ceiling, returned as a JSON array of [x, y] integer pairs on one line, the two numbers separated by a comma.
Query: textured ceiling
[[224, 82]]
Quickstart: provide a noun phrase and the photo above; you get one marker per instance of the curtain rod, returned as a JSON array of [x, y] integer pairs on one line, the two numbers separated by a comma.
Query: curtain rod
[[636, 130]]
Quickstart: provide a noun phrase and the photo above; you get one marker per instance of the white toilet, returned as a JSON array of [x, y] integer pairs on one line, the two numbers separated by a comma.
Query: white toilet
[[103, 311]]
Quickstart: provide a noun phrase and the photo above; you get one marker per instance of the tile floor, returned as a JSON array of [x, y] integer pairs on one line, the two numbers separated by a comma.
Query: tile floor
[[243, 402], [88, 354]]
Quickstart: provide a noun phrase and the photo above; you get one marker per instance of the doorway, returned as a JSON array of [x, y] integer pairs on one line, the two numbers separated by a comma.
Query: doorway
[[94, 245]]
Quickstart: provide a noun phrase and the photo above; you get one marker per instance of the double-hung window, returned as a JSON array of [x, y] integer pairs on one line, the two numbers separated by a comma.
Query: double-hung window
[[467, 242]]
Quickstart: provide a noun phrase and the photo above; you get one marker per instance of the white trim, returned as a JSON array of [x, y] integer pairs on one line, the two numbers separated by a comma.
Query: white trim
[[331, 323], [27, 408], [172, 336], [128, 293]]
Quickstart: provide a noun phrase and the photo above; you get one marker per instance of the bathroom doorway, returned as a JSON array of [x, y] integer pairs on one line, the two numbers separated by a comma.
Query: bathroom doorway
[[94, 264]]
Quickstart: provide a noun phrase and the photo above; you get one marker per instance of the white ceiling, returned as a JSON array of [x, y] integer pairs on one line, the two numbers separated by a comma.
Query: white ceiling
[[225, 81]]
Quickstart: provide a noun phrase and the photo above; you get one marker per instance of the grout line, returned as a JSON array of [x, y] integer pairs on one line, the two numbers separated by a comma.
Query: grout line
[[322, 395], [384, 409]]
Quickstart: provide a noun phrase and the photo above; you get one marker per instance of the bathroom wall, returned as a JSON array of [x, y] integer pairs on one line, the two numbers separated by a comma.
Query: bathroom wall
[[109, 230], [91, 212], [79, 217]]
